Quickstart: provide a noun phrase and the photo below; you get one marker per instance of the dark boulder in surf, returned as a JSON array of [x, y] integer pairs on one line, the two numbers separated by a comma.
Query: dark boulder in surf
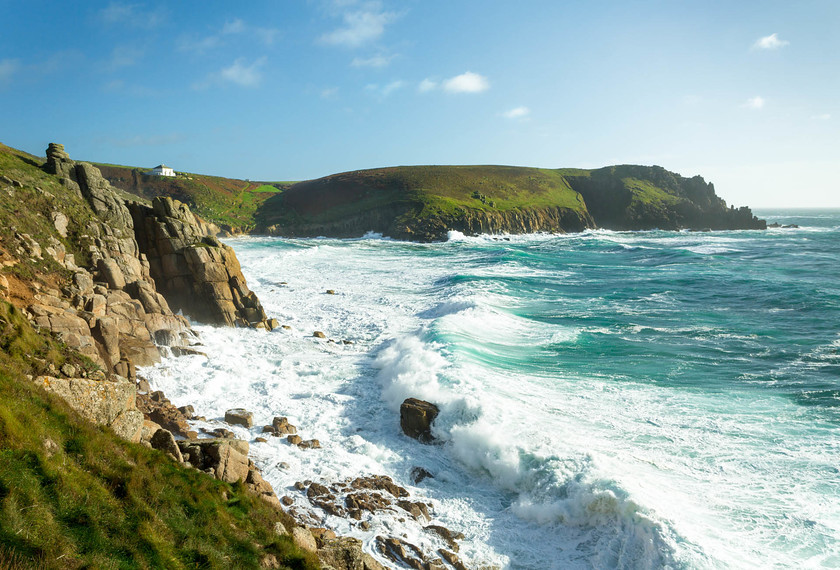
[[416, 417]]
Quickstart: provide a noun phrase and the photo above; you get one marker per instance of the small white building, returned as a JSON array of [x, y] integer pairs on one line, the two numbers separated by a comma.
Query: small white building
[[161, 170]]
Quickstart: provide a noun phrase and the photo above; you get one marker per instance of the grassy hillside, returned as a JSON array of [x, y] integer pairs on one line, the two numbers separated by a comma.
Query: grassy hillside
[[225, 201], [416, 195], [413, 198], [73, 495]]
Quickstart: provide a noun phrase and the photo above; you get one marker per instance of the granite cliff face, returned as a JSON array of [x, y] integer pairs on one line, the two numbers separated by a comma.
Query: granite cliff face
[[108, 300], [196, 272]]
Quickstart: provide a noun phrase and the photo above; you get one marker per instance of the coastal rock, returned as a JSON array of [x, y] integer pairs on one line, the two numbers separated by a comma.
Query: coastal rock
[[197, 273], [103, 402], [163, 441], [303, 538], [239, 416], [342, 553], [416, 417]]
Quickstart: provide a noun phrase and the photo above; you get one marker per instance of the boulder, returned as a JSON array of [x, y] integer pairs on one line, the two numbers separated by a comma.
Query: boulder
[[164, 441], [102, 402], [303, 538], [342, 553], [416, 417], [240, 416]]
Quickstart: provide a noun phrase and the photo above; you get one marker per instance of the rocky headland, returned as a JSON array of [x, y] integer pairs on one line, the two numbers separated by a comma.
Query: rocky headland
[[106, 280]]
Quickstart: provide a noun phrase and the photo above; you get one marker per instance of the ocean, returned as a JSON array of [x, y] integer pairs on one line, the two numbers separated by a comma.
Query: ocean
[[608, 399]]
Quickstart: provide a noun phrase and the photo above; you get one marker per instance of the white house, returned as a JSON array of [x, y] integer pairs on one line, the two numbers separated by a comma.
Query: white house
[[161, 170]]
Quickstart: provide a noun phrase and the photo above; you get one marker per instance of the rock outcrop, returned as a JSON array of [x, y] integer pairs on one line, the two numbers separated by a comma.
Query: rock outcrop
[[104, 402], [196, 272], [416, 417]]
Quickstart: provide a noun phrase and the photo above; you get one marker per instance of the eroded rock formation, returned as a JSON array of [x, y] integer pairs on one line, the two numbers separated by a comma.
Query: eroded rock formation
[[197, 273]]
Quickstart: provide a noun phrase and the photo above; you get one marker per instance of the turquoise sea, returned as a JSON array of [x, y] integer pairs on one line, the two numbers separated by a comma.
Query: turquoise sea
[[608, 399]]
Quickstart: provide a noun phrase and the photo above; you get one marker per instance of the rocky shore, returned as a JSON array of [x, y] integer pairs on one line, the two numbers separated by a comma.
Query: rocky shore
[[113, 285]]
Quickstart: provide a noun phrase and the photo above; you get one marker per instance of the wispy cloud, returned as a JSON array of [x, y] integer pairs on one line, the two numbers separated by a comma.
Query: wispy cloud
[[8, 67], [517, 113], [385, 90], [427, 85], [823, 117], [133, 14], [360, 26], [239, 73], [329, 93], [236, 27], [754, 103], [380, 60], [468, 82], [770, 42]]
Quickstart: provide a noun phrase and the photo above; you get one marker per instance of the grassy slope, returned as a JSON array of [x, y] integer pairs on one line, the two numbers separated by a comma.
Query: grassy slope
[[428, 190], [227, 201], [73, 495]]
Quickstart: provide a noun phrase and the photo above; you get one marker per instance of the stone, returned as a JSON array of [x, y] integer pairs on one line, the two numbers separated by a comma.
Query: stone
[[164, 441], [60, 222], [342, 553], [187, 411], [110, 272], [416, 417], [281, 426], [294, 439], [453, 559], [101, 402], [330, 292], [68, 370], [239, 416], [260, 440], [319, 334], [418, 474], [280, 529], [303, 538], [448, 536]]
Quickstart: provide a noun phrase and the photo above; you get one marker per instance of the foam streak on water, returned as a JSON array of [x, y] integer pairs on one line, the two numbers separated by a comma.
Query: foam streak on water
[[608, 400]]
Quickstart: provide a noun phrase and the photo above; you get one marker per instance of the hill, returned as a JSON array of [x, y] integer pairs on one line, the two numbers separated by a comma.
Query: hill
[[229, 202], [423, 203]]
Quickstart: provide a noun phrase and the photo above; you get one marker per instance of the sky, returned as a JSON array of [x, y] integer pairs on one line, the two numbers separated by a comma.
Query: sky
[[745, 94]]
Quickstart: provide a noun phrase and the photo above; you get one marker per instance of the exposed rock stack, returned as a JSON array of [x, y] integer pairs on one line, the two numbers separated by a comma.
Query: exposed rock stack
[[416, 417], [196, 272], [111, 310]]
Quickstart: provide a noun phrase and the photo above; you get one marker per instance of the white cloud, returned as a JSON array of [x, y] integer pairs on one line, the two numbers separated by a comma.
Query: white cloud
[[823, 117], [236, 26], [517, 113], [133, 14], [360, 27], [329, 93], [770, 42], [427, 85], [8, 67], [754, 102], [468, 82], [375, 61], [385, 90], [242, 74], [238, 73]]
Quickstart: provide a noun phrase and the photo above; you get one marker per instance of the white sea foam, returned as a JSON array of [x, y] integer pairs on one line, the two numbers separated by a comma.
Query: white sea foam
[[538, 469]]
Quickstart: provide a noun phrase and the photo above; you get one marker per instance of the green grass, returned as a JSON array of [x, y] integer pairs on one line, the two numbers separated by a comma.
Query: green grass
[[73, 495]]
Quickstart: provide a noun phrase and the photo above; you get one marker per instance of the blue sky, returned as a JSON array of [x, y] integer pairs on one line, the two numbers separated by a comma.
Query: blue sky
[[746, 93]]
